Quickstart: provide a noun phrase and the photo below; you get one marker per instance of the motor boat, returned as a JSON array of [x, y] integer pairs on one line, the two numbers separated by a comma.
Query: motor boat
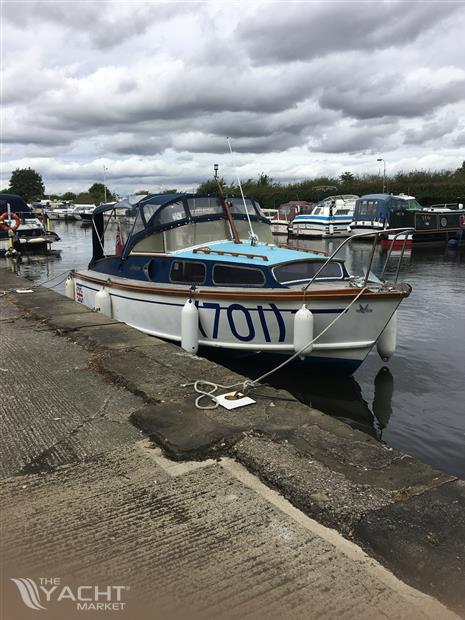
[[282, 220], [430, 225], [203, 271], [330, 218], [21, 230], [85, 212], [64, 211]]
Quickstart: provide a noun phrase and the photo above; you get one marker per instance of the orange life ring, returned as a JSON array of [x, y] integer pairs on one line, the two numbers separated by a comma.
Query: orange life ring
[[12, 218]]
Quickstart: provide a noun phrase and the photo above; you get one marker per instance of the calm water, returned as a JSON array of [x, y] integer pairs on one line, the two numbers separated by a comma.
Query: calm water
[[416, 402]]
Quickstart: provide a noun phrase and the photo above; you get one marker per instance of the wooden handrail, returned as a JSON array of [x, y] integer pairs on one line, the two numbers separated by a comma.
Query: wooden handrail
[[223, 253]]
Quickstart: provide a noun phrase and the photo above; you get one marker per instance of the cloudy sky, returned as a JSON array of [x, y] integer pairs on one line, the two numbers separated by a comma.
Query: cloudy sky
[[151, 90]]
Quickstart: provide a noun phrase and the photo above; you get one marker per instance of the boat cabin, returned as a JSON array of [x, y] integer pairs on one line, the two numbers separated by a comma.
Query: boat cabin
[[186, 240], [379, 207]]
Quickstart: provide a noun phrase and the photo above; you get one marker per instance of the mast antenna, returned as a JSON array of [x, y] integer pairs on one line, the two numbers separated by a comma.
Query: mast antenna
[[226, 209], [253, 236]]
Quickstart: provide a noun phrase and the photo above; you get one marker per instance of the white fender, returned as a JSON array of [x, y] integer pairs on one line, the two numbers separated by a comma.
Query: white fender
[[103, 302], [303, 330], [69, 287], [190, 327], [387, 340], [331, 229]]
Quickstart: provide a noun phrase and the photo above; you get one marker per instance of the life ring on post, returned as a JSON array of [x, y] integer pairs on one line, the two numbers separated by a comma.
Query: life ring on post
[[12, 218]]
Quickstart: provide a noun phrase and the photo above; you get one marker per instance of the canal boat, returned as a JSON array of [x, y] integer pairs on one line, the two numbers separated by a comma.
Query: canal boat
[[203, 271], [21, 230], [330, 218], [430, 225]]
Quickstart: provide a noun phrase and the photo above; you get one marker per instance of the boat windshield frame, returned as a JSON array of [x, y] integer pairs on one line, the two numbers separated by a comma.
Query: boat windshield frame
[[156, 205]]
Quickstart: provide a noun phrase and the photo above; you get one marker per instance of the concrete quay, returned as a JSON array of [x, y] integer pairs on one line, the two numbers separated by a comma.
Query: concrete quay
[[110, 475]]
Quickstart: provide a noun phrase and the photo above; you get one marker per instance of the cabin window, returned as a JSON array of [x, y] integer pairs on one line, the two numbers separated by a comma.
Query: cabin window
[[317, 211], [367, 207], [342, 212], [305, 270], [226, 275], [170, 214], [237, 207], [187, 272], [204, 206], [149, 211]]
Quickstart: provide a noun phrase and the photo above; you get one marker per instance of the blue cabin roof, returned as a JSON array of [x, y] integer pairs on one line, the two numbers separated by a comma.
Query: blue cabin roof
[[229, 252]]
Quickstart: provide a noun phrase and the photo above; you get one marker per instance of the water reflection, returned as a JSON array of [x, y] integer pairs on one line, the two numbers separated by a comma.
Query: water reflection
[[342, 397]]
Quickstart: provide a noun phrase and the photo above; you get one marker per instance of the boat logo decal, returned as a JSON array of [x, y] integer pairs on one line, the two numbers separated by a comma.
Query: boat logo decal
[[79, 294], [363, 309]]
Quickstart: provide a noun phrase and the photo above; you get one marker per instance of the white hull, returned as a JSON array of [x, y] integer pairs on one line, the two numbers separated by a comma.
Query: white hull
[[265, 326], [280, 228], [320, 228], [366, 227]]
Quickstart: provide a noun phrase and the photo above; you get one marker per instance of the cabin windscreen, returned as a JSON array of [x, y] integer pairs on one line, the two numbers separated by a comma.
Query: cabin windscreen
[[367, 209], [302, 271]]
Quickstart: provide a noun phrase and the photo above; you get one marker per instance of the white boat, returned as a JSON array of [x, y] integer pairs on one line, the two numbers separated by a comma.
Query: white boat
[[270, 213], [331, 217], [65, 211], [281, 222], [203, 271], [84, 211]]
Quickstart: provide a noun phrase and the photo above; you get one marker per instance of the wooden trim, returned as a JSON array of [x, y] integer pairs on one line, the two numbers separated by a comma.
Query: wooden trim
[[261, 295], [224, 253]]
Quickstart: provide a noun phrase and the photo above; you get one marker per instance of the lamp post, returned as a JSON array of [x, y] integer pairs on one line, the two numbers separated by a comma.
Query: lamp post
[[384, 173], [104, 183]]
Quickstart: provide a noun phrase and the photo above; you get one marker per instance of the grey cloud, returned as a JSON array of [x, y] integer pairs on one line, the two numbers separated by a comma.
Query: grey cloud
[[304, 31], [460, 139], [382, 98], [105, 25], [355, 139], [431, 130]]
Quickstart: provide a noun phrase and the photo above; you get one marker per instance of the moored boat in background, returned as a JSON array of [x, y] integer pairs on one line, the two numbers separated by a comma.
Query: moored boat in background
[[431, 225], [286, 213], [20, 228], [331, 217]]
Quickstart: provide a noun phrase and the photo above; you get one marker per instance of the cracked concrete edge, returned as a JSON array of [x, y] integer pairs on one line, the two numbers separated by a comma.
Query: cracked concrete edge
[[428, 605]]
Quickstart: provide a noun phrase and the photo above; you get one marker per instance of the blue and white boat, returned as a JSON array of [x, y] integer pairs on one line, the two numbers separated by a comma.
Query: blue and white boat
[[330, 218], [203, 271]]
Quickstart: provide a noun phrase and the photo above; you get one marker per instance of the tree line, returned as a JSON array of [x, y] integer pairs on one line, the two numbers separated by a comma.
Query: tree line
[[428, 187]]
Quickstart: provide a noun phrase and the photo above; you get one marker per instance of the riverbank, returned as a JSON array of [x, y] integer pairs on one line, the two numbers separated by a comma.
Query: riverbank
[[72, 455]]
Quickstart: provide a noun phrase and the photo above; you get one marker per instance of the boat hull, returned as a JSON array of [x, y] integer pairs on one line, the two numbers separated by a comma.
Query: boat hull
[[249, 323], [279, 228], [318, 227]]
